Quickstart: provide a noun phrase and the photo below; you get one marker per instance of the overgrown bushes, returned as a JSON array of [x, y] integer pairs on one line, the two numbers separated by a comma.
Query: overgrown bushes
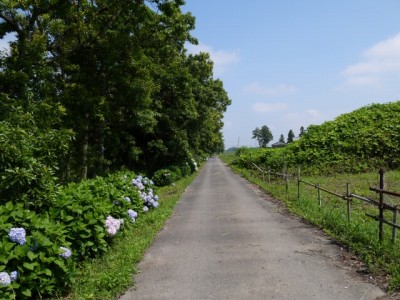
[[365, 139], [44, 248]]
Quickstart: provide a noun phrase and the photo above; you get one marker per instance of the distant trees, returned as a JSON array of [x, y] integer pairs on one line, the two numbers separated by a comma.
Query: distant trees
[[281, 139], [263, 135], [290, 136], [302, 132]]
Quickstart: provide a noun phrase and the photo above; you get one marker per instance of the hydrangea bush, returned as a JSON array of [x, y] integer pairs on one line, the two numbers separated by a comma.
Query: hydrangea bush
[[30, 264], [42, 250]]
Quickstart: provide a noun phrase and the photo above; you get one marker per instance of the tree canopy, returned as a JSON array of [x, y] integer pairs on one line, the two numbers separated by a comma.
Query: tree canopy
[[263, 136], [109, 84]]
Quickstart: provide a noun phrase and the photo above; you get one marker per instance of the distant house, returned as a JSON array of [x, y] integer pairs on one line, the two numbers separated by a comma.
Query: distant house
[[278, 144]]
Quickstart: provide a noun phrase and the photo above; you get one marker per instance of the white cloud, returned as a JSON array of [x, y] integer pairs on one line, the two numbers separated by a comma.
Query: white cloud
[[256, 88], [303, 118], [222, 59], [378, 61], [261, 107]]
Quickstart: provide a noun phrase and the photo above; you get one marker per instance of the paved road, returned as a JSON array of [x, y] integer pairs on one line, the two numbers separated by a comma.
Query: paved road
[[227, 241]]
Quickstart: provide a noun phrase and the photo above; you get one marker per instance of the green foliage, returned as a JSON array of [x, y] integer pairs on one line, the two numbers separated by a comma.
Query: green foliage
[[131, 98], [164, 177], [185, 170], [76, 220], [41, 269], [28, 161], [355, 142], [83, 208]]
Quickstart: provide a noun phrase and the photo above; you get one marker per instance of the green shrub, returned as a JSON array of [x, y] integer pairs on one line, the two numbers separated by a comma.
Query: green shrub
[[41, 270], [164, 177], [84, 207], [28, 160], [185, 170], [177, 171]]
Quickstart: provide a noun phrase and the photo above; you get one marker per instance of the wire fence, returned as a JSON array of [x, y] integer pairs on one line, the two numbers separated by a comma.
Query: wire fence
[[347, 197]]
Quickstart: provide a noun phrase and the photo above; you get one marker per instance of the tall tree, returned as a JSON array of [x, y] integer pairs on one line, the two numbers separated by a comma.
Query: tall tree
[[282, 138], [263, 135], [290, 136], [301, 131]]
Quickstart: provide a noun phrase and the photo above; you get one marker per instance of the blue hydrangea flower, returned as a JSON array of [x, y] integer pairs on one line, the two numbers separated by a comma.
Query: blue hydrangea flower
[[151, 182], [4, 278], [17, 235], [132, 214], [127, 199], [14, 275], [155, 198], [66, 252], [145, 208], [155, 204]]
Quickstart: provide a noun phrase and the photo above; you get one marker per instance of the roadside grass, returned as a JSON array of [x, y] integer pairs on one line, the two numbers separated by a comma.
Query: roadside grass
[[111, 275], [360, 235]]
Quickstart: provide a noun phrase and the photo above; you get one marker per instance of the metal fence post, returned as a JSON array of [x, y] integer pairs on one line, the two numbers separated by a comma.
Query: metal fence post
[[319, 196], [298, 182], [394, 227], [348, 201], [381, 187]]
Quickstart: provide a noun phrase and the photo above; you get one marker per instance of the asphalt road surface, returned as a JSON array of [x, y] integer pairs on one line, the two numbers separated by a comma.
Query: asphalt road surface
[[228, 240]]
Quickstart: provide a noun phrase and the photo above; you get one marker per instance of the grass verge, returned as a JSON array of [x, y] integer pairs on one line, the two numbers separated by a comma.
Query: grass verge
[[110, 275], [360, 235]]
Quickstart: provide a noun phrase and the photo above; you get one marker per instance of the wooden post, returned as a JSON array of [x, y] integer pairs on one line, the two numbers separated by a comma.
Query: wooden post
[[298, 182], [269, 175], [348, 201], [381, 187], [319, 196], [394, 228]]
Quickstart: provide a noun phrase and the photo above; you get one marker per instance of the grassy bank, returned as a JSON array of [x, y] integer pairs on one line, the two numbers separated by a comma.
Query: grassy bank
[[110, 275], [360, 235]]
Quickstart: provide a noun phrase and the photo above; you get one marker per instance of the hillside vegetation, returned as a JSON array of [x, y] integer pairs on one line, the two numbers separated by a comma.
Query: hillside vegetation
[[365, 139]]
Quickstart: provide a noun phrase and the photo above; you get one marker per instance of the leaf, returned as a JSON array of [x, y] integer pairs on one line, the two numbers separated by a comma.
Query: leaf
[[26, 292], [30, 266], [32, 255]]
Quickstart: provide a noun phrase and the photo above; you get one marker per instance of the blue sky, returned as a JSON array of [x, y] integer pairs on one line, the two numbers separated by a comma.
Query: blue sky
[[287, 64]]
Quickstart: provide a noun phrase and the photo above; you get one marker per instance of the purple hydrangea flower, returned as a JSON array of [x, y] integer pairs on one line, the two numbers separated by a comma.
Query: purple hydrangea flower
[[155, 204], [112, 225], [132, 214], [145, 208], [66, 252], [127, 199], [14, 275], [155, 198], [17, 235], [5, 279]]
